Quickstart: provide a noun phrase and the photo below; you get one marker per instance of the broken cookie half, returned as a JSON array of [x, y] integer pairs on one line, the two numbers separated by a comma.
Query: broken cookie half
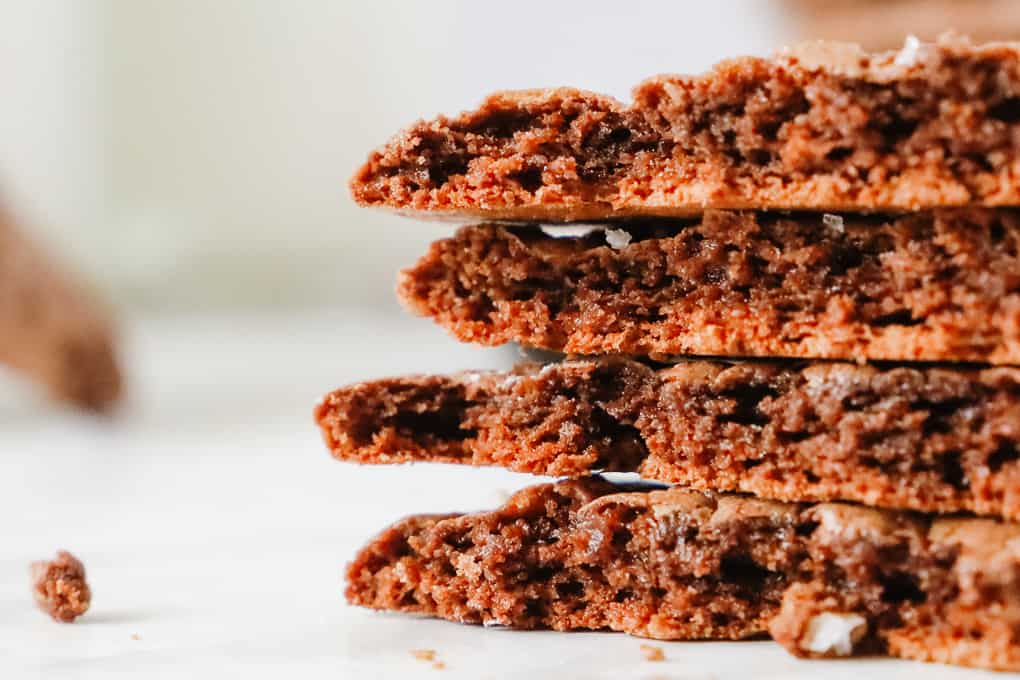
[[928, 438], [823, 126], [676, 564], [938, 285], [59, 587]]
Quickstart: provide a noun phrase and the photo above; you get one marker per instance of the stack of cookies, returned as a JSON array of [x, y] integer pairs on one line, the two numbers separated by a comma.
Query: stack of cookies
[[789, 300]]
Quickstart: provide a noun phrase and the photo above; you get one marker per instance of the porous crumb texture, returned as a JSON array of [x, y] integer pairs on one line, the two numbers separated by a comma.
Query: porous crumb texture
[[821, 126], [676, 564], [52, 329], [554, 557], [927, 438], [59, 587], [936, 285]]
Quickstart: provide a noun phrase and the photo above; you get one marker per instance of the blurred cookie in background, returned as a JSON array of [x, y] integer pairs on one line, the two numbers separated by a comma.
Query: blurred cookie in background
[[53, 328], [883, 24]]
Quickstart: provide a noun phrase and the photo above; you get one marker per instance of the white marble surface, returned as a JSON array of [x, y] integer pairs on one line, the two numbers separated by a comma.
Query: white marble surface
[[214, 526]]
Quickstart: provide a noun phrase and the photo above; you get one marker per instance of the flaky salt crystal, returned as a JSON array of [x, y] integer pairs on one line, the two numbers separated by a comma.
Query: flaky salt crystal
[[617, 238], [570, 230], [911, 52], [833, 222], [833, 633]]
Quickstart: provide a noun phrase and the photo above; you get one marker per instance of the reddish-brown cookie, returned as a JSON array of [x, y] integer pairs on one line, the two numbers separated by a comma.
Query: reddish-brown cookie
[[825, 580], [926, 438], [936, 286], [824, 126]]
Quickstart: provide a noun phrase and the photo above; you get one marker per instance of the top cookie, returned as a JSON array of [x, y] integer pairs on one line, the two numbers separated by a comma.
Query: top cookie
[[824, 126]]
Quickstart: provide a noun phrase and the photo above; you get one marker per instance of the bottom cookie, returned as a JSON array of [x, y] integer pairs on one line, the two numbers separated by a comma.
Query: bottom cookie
[[828, 579]]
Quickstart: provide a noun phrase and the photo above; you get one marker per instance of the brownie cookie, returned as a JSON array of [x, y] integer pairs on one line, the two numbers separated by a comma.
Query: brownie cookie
[[673, 564], [925, 438], [824, 126], [59, 587], [937, 286], [52, 328]]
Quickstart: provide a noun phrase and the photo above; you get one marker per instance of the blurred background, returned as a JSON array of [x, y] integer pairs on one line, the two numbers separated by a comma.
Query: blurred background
[[194, 155]]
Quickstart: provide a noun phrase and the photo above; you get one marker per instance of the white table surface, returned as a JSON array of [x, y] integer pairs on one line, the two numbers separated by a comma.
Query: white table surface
[[214, 526]]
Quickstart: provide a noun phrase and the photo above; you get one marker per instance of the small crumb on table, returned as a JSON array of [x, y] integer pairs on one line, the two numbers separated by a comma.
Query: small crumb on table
[[653, 653], [428, 655], [59, 587]]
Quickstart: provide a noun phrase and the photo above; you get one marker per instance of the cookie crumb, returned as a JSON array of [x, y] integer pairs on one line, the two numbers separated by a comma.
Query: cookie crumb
[[59, 587], [136, 636], [439, 665], [653, 653]]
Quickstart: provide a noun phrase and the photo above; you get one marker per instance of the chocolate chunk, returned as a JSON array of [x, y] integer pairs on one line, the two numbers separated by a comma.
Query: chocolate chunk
[[939, 286], [52, 329]]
